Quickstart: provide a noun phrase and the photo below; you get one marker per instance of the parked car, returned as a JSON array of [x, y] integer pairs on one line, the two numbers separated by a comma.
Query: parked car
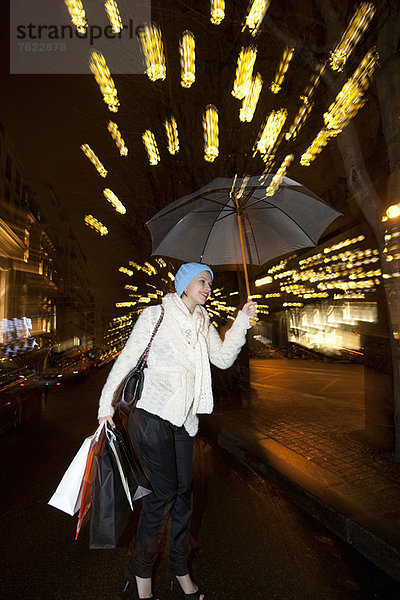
[[22, 398], [65, 366]]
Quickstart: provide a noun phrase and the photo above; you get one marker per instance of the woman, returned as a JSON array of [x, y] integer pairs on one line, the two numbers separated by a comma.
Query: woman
[[176, 388]]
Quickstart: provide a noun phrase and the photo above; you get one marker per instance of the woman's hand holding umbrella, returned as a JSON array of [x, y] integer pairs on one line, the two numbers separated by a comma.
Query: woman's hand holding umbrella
[[250, 309]]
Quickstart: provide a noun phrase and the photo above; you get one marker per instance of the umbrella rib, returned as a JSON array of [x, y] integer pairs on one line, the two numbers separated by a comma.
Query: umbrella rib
[[208, 236], [269, 204], [201, 212], [264, 199], [175, 208], [248, 197]]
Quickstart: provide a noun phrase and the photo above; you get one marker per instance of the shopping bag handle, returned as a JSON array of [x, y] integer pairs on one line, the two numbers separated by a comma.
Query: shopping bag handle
[[98, 431]]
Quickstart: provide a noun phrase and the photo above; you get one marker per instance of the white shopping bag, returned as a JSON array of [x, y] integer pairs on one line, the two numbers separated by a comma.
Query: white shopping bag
[[67, 496]]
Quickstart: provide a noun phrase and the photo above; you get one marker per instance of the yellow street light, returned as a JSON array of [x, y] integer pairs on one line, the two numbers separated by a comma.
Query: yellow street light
[[244, 71], [393, 211], [104, 80], [187, 52], [171, 129], [281, 72], [255, 15], [150, 144], [86, 149], [217, 11], [249, 102], [113, 15], [92, 222], [116, 136], [153, 51], [112, 199], [77, 14], [352, 35], [211, 131]]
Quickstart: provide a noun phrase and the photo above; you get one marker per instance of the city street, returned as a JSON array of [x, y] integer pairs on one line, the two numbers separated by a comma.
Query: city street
[[317, 380], [251, 541], [313, 402]]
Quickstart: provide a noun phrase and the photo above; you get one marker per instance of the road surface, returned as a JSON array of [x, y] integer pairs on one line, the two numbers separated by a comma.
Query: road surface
[[252, 543]]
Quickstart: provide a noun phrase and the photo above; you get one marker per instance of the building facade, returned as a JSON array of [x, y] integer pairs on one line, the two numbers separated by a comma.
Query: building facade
[[45, 290], [28, 281]]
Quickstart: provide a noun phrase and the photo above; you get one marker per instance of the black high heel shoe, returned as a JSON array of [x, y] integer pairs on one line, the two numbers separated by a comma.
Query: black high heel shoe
[[130, 591], [173, 579]]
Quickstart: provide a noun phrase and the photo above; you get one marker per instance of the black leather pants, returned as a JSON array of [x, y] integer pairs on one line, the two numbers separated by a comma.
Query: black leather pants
[[166, 456]]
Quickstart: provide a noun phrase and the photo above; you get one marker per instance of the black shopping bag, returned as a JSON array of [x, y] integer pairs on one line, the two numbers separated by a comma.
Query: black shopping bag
[[118, 482], [135, 483]]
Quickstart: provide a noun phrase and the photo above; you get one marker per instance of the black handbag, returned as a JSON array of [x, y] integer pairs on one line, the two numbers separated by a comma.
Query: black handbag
[[130, 389]]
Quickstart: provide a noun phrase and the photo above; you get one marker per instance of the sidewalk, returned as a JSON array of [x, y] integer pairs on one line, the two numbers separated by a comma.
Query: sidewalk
[[304, 423]]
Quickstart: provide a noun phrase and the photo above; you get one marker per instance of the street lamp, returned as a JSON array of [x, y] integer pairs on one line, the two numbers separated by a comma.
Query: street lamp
[[393, 211]]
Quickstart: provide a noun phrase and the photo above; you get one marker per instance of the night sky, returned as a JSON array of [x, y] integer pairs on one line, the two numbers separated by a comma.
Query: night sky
[[48, 117]]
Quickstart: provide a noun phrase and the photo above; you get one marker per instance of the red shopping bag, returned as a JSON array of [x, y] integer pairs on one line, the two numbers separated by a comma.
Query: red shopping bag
[[96, 449]]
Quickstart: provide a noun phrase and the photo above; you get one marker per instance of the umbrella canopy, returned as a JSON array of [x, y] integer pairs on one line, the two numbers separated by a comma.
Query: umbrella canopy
[[204, 226]]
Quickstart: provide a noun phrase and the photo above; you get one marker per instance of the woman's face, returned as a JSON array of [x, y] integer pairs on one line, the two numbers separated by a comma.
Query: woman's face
[[199, 289]]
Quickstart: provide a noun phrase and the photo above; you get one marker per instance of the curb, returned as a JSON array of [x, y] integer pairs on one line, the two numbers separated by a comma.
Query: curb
[[364, 533]]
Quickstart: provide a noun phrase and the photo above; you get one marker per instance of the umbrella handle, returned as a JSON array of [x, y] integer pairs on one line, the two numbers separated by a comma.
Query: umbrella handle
[[246, 277], [253, 321]]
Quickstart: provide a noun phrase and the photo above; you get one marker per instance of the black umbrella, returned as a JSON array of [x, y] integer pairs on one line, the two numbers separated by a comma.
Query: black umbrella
[[235, 222]]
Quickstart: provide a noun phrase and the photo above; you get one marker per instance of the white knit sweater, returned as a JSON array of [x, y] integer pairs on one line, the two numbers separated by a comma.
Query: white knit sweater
[[177, 383]]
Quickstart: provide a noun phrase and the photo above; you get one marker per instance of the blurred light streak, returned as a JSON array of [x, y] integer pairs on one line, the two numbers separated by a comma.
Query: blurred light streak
[[352, 35], [125, 304], [351, 97], [393, 211], [112, 199], [307, 103], [113, 15], [125, 271], [171, 129], [281, 72], [249, 102], [277, 179], [153, 51], [241, 191], [77, 14], [149, 269], [135, 265], [211, 131], [217, 11], [188, 58], [300, 118], [92, 222], [255, 15], [244, 71], [270, 132], [86, 149], [345, 106], [116, 136], [150, 144], [104, 80], [319, 142]]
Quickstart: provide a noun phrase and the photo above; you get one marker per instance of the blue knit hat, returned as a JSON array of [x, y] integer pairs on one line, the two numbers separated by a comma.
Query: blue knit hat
[[186, 273]]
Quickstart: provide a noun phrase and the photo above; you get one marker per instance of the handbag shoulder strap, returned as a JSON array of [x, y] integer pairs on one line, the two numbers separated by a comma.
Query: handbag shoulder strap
[[157, 325]]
